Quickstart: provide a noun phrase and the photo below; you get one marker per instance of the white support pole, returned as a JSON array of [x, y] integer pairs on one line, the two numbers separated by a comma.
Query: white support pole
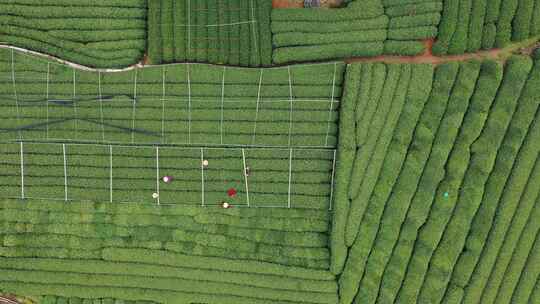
[[202, 177], [290, 177], [332, 181], [65, 173], [134, 107], [22, 169], [110, 173], [331, 106], [157, 174], [245, 176], [101, 106], [47, 100], [291, 106], [189, 102], [257, 108], [222, 103]]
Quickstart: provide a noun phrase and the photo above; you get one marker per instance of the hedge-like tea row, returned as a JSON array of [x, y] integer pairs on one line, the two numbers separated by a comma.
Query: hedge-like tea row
[[440, 207], [361, 29], [374, 97], [94, 251], [290, 178], [102, 35], [233, 32], [468, 26], [173, 104], [48, 299]]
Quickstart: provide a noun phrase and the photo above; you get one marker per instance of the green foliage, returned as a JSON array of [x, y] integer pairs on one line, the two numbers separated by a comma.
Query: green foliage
[[476, 24], [521, 24], [358, 30], [504, 23], [97, 35], [459, 38], [344, 161], [220, 32], [368, 161], [404, 48], [172, 104], [166, 22]]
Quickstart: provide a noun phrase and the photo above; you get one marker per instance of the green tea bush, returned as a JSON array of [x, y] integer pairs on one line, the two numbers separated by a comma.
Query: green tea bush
[[507, 200], [518, 281], [78, 33], [233, 32], [345, 158], [476, 24], [447, 27], [404, 48], [521, 24], [504, 23], [358, 253], [365, 170], [524, 288]]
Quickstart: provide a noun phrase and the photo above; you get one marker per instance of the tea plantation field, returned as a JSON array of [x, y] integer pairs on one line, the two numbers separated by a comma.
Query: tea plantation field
[[102, 34], [467, 26], [437, 183], [178, 156]]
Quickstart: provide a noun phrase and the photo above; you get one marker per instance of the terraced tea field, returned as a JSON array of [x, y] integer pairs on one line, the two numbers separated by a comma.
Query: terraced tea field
[[169, 152]]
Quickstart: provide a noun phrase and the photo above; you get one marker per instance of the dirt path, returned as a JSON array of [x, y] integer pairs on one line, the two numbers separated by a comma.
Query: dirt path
[[427, 57]]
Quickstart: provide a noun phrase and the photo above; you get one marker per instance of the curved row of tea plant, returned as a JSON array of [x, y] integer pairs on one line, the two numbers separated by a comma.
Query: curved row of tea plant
[[171, 104], [167, 255], [101, 34], [48, 299], [437, 197], [361, 29], [468, 26], [232, 32]]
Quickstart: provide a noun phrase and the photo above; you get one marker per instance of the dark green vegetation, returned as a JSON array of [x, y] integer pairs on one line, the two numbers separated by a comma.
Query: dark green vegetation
[[232, 32], [173, 104], [295, 178], [165, 254], [436, 198], [468, 26], [362, 29], [102, 34], [75, 300]]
